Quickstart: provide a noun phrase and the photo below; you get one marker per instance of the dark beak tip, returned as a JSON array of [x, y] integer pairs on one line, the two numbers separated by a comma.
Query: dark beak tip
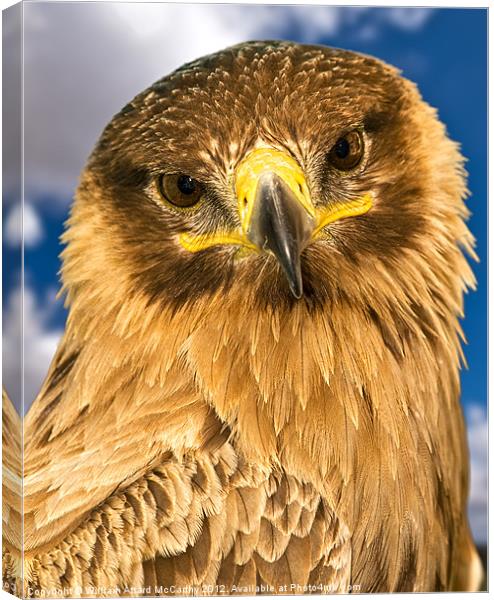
[[293, 275], [281, 226]]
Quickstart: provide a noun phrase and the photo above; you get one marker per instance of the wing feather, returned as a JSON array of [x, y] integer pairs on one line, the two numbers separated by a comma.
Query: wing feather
[[160, 531]]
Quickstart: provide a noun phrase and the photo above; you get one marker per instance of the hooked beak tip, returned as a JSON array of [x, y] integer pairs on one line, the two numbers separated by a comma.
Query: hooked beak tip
[[290, 263], [297, 289], [282, 226]]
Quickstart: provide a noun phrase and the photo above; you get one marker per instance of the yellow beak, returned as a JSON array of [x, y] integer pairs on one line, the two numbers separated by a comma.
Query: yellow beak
[[262, 162], [276, 212]]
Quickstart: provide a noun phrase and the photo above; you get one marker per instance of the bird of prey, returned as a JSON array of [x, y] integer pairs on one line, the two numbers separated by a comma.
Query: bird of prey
[[257, 390]]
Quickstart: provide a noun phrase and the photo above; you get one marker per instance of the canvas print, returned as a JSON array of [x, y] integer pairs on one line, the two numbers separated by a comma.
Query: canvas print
[[244, 250]]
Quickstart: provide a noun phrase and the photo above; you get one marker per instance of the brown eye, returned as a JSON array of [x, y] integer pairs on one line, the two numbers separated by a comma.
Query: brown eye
[[180, 190], [348, 151]]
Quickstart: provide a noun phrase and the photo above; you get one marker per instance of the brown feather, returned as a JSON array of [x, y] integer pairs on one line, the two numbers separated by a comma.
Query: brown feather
[[217, 430]]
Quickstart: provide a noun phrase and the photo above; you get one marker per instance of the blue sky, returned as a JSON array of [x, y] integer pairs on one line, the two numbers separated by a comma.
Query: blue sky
[[117, 51]]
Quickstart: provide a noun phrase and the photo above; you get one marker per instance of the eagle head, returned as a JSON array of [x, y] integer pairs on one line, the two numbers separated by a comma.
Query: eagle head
[[300, 174]]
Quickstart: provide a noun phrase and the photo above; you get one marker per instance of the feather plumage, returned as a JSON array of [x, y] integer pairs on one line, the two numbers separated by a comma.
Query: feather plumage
[[220, 435]]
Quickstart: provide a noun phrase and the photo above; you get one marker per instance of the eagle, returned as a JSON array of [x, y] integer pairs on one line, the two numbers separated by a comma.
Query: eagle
[[257, 389]]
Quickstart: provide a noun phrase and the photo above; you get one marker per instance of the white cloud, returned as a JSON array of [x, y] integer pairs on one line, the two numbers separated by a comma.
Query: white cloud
[[409, 18], [18, 225], [477, 439], [84, 61], [40, 343]]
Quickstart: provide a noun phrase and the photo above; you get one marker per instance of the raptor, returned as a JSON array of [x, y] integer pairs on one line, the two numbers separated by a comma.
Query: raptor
[[258, 384]]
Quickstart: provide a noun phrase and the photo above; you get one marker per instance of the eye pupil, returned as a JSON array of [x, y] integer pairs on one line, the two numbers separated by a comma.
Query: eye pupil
[[186, 184], [342, 148], [179, 189], [348, 151]]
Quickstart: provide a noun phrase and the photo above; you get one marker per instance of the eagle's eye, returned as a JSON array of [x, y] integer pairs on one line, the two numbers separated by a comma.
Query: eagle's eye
[[180, 190], [348, 151]]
